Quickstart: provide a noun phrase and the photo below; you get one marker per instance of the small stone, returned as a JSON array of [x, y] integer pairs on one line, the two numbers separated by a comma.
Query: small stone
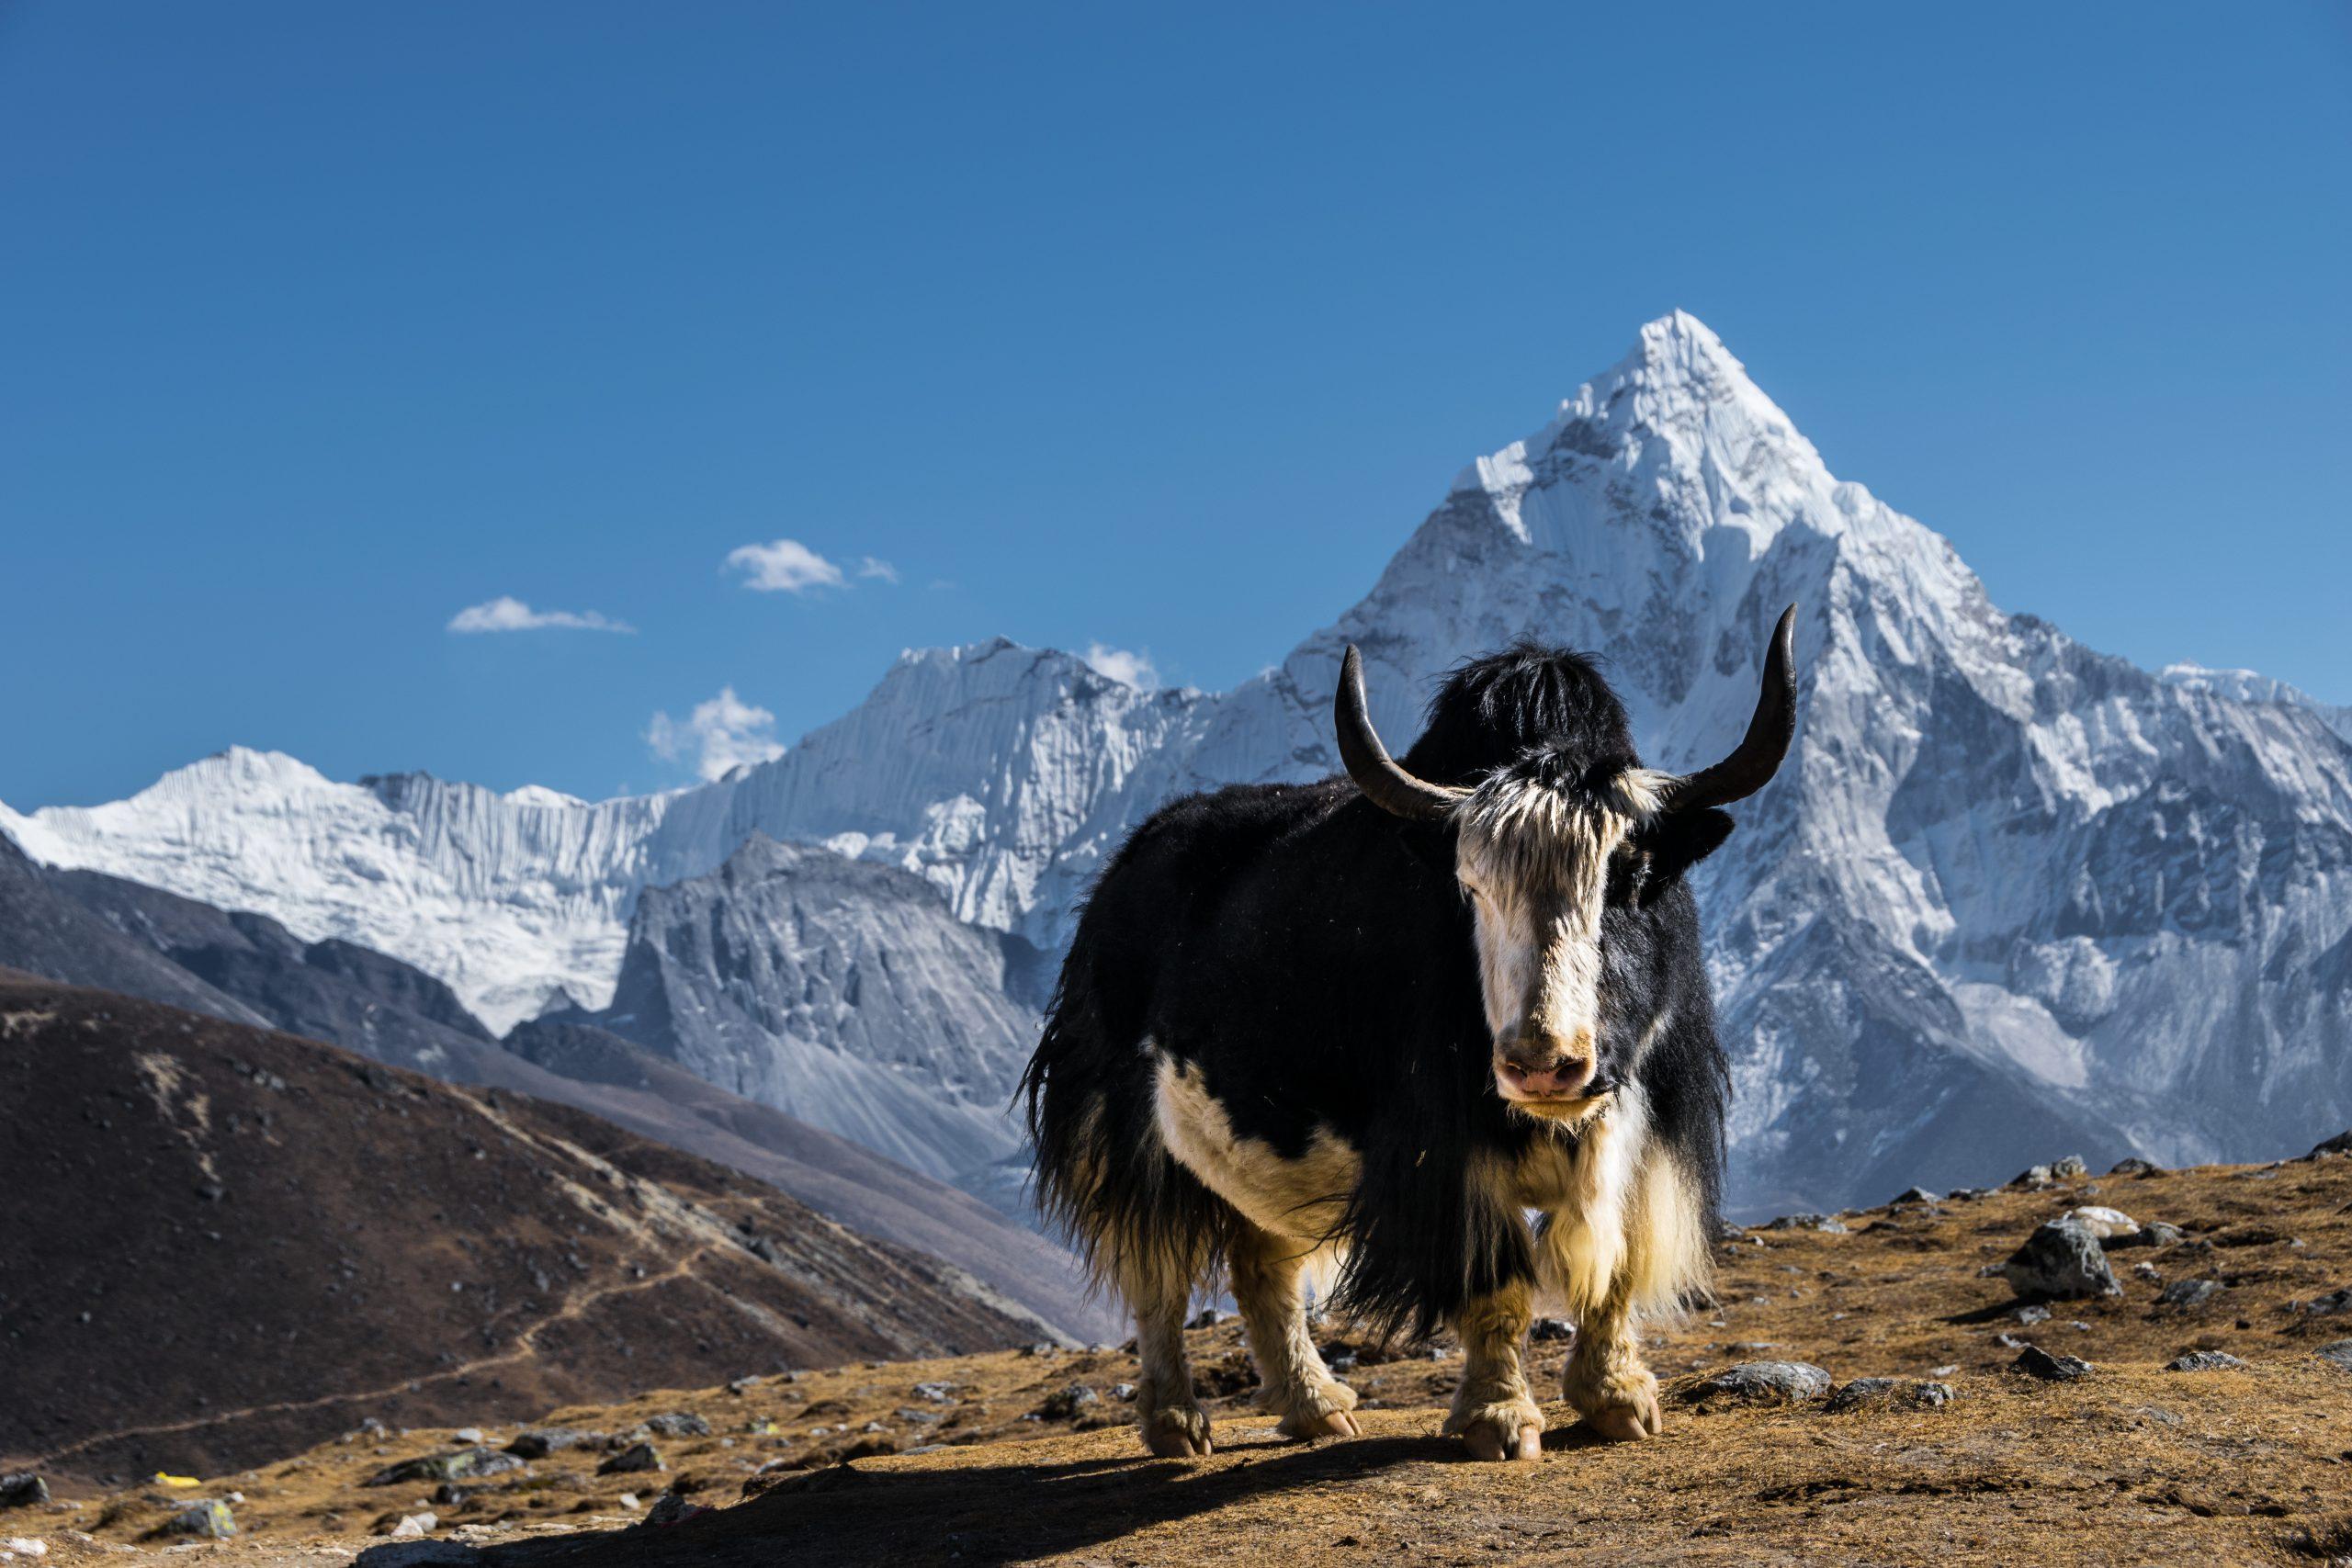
[[1125, 1393], [2329, 1305], [632, 1459], [2071, 1166], [1764, 1382], [1901, 1393], [2338, 1351], [2103, 1222], [411, 1525], [937, 1393], [2031, 1314], [22, 1489], [1545, 1330], [2062, 1259], [2132, 1165], [541, 1441], [678, 1424], [2190, 1293], [1829, 1224], [1209, 1318], [207, 1519], [2035, 1362], [2203, 1361], [470, 1435], [1064, 1404], [24, 1545], [2147, 1271], [629, 1500], [2155, 1232], [1913, 1195]]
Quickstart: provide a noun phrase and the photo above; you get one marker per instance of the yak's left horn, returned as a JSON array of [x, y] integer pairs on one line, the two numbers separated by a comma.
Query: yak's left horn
[[1758, 757], [1376, 773]]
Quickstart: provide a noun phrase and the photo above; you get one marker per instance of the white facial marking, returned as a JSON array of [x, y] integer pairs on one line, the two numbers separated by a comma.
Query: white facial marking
[[1535, 861]]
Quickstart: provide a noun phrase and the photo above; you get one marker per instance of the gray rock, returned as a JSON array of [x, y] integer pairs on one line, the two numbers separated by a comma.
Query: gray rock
[[2203, 1361], [541, 1442], [2190, 1293], [2035, 1362], [1912, 1195], [2132, 1165], [677, 1424], [1898, 1394], [671, 1508], [2332, 1305], [937, 1393], [1829, 1222], [22, 1489], [2338, 1351], [1545, 1330], [2339, 1145], [206, 1518], [1125, 1393], [2031, 1314], [2064, 1260], [2155, 1233], [632, 1459], [1763, 1383], [1064, 1404], [465, 1464]]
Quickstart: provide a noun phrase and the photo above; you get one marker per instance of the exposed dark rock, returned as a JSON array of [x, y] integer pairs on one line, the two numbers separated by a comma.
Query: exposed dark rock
[[2035, 1362], [2339, 1145], [2338, 1351], [537, 1442], [206, 1518], [465, 1464], [1064, 1404], [630, 1461], [1548, 1330], [2132, 1165], [2062, 1260], [1830, 1223], [1763, 1383], [2329, 1305], [22, 1489], [2190, 1293], [1897, 1393], [677, 1424], [2203, 1361]]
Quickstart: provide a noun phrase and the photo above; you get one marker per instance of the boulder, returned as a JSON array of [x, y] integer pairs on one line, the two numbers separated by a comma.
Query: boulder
[[2203, 1361], [1912, 1195], [1064, 1404], [632, 1459], [465, 1464], [541, 1442], [2332, 1305], [2132, 1165], [2190, 1293], [677, 1424], [937, 1393], [206, 1518], [1830, 1223], [22, 1489], [2035, 1362], [2103, 1222], [1763, 1383], [2060, 1259], [2339, 1145], [2338, 1351]]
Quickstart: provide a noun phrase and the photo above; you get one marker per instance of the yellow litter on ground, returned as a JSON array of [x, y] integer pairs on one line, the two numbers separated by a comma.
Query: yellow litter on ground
[[178, 1480]]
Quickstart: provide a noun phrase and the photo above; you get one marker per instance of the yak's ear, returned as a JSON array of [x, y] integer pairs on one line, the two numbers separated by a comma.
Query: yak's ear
[[1673, 844]]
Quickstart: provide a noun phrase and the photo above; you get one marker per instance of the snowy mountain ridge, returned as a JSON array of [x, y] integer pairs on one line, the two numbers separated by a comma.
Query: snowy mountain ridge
[[2006, 890]]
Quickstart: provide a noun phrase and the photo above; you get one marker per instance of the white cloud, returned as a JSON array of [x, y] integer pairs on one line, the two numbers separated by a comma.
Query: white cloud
[[507, 613], [869, 566], [1134, 668], [719, 735], [783, 566]]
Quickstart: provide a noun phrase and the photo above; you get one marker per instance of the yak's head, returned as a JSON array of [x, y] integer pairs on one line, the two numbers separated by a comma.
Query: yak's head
[[1549, 840]]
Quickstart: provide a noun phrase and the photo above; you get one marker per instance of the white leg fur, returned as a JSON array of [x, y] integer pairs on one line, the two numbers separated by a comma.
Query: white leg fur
[[1266, 1271], [1169, 1414]]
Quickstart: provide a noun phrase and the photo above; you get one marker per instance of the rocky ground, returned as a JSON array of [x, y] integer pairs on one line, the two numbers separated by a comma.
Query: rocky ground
[[2104, 1446]]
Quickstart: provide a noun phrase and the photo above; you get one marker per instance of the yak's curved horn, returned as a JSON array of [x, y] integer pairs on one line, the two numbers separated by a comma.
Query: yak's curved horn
[[1751, 766], [1376, 773]]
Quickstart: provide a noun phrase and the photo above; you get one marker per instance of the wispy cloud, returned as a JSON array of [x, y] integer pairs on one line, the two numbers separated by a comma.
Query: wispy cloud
[[507, 613], [870, 566], [1132, 666], [783, 566], [719, 735]]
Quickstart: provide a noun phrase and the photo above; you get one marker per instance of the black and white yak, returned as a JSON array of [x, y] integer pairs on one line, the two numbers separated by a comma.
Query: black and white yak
[[1384, 1016]]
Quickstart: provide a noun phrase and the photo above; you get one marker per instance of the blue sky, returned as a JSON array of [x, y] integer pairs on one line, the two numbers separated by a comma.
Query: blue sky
[[1159, 329]]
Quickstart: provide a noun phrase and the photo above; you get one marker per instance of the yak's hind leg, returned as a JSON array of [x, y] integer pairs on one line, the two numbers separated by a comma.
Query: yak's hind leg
[[1492, 1412], [1158, 1288], [1265, 1270]]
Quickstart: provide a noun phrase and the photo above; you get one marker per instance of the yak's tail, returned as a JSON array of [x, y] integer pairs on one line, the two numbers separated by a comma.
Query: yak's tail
[[1103, 1177]]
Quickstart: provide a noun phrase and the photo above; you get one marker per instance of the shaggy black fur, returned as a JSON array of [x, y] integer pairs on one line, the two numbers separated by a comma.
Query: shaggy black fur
[[1313, 957]]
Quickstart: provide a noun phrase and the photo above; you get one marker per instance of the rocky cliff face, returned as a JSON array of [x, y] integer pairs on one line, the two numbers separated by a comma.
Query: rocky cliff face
[[2007, 891], [841, 991]]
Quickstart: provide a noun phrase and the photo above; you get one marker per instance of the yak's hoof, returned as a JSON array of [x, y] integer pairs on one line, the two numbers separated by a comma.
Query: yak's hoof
[[1623, 1409], [1181, 1433], [1502, 1432], [1331, 1424], [1626, 1422]]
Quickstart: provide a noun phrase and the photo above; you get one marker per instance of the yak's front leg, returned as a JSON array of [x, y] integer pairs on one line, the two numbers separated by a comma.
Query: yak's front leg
[[1492, 1411], [1606, 1381], [1266, 1269]]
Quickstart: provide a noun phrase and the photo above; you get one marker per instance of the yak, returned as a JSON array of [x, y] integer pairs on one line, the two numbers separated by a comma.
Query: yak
[[1383, 1019]]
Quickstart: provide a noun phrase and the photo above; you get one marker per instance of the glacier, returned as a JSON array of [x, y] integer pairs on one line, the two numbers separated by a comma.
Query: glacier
[[2009, 892]]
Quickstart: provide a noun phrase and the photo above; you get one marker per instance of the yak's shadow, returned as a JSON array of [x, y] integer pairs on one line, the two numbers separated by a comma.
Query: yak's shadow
[[989, 1514]]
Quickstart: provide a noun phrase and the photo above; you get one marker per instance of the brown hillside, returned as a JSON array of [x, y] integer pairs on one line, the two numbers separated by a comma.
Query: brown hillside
[[224, 1243], [2132, 1464]]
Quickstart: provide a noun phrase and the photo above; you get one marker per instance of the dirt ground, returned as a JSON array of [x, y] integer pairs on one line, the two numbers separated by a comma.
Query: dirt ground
[[1003, 1462]]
